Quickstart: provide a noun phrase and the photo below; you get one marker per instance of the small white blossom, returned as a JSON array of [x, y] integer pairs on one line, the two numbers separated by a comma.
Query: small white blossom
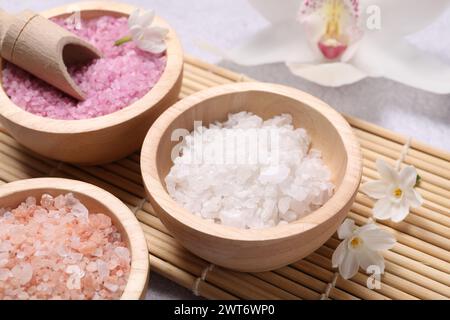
[[147, 37], [395, 192], [360, 247]]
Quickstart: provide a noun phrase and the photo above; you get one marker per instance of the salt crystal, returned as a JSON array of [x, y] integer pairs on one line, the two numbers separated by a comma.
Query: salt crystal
[[273, 180], [111, 286], [23, 272], [46, 201], [5, 274]]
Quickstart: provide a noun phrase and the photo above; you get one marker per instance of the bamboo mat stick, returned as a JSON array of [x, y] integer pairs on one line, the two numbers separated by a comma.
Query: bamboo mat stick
[[393, 154], [350, 286], [214, 69], [407, 263], [403, 247], [370, 174], [385, 133], [413, 153], [191, 69], [276, 289], [387, 290], [130, 164], [190, 84], [418, 232], [431, 201], [359, 213], [435, 227], [6, 175], [186, 280], [435, 167], [17, 168], [432, 178], [194, 76], [165, 247], [7, 140], [113, 178], [172, 247], [293, 287], [235, 285], [22, 157], [317, 285], [354, 121], [399, 271], [419, 286], [124, 172], [305, 294], [360, 278], [419, 256], [407, 228]]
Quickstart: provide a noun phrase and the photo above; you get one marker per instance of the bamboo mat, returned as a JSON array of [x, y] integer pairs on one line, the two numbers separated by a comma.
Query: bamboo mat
[[418, 267]]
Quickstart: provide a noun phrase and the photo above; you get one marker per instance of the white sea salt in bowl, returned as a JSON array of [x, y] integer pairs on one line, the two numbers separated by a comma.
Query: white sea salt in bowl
[[96, 201], [105, 138], [260, 249]]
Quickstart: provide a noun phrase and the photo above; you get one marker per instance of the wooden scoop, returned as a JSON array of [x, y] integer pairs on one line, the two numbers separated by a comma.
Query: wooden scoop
[[44, 49]]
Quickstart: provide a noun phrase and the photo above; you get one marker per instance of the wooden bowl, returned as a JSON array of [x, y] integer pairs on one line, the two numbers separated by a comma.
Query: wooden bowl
[[96, 200], [262, 249], [103, 139]]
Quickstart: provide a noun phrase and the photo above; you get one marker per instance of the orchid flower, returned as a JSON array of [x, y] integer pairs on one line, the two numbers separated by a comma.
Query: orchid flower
[[395, 192], [361, 246], [338, 42], [147, 37]]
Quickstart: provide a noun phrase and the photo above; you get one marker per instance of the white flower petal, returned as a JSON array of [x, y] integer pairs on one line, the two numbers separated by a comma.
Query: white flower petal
[[367, 227], [408, 177], [414, 198], [393, 60], [402, 17], [375, 189], [387, 173], [346, 229], [152, 46], [350, 265], [387, 53], [274, 11], [146, 18], [383, 209], [378, 239], [133, 18], [399, 211], [369, 258], [279, 43], [333, 74], [136, 32], [152, 40], [339, 254]]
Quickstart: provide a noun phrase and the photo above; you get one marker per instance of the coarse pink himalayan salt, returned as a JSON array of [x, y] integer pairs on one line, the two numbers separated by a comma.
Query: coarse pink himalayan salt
[[56, 249], [124, 75]]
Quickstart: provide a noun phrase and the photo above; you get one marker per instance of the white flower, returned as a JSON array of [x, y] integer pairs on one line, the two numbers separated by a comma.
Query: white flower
[[360, 247], [147, 37], [395, 192], [337, 42]]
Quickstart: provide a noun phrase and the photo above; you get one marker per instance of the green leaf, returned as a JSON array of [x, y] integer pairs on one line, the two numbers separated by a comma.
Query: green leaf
[[123, 40], [418, 179]]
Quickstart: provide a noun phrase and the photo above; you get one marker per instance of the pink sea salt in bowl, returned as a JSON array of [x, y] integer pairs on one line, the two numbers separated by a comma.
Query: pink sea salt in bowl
[[103, 129], [48, 226]]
